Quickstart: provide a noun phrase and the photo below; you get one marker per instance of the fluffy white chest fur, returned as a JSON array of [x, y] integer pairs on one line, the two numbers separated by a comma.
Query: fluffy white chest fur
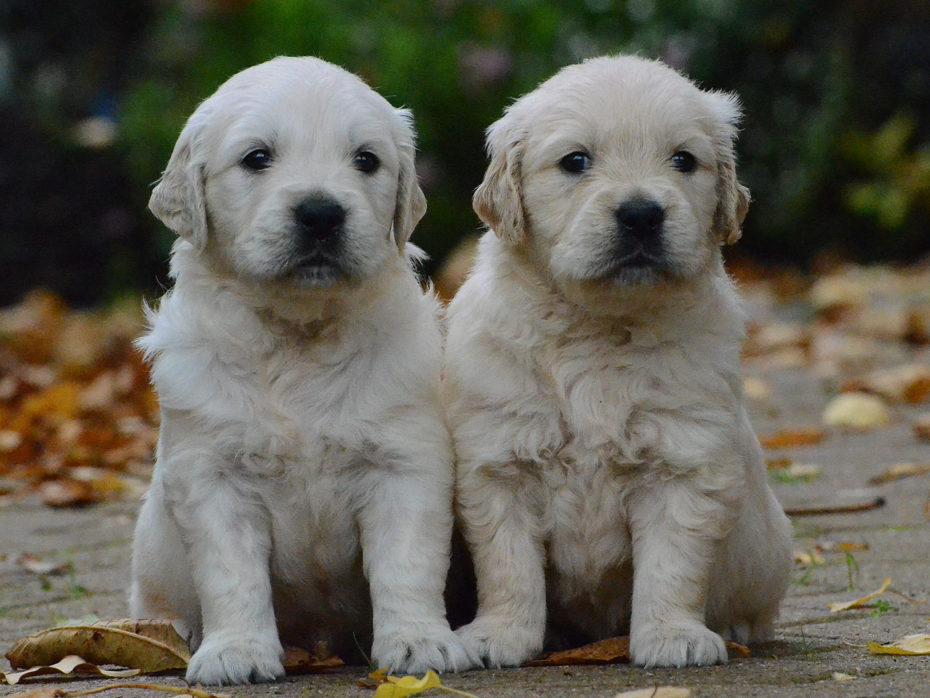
[[304, 427], [575, 427]]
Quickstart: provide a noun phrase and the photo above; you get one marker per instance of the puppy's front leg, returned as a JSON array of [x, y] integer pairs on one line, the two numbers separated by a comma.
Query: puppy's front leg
[[227, 537], [676, 530], [406, 531], [502, 530]]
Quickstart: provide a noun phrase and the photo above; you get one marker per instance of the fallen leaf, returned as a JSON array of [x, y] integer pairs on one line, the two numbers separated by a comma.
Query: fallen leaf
[[396, 687], [613, 650], [840, 676], [909, 644], [922, 426], [67, 493], [36, 565], [657, 692], [71, 664], [808, 558], [299, 661], [900, 470], [150, 646], [907, 383], [857, 411], [756, 388], [739, 649], [843, 547], [859, 603], [790, 438], [798, 471]]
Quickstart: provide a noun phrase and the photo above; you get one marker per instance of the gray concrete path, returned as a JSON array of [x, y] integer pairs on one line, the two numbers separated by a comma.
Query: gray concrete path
[[811, 643]]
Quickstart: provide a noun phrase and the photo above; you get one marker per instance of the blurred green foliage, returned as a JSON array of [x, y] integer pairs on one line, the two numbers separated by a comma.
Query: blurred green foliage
[[836, 137]]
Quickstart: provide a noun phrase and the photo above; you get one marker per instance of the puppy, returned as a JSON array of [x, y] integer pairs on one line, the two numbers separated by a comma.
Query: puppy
[[303, 460], [606, 467]]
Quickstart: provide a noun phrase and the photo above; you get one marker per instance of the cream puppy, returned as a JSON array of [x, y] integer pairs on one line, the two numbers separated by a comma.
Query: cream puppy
[[608, 478], [303, 460]]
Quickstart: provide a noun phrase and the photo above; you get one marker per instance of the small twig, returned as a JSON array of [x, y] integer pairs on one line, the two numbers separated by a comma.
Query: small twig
[[184, 690], [874, 503]]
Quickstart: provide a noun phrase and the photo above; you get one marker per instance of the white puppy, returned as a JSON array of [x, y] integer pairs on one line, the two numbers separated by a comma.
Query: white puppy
[[297, 360], [606, 464]]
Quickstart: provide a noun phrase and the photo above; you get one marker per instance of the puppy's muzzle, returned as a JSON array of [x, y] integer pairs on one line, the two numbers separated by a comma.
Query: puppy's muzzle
[[641, 219], [319, 218], [639, 238]]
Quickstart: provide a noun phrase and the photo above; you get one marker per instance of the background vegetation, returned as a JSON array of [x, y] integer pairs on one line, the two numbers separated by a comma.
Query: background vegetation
[[835, 146]]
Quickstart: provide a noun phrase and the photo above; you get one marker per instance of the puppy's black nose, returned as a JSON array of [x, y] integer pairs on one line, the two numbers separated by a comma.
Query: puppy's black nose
[[640, 218], [319, 217]]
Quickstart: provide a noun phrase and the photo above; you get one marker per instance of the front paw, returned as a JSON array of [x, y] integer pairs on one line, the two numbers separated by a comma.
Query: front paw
[[499, 643], [412, 649], [676, 645], [238, 659]]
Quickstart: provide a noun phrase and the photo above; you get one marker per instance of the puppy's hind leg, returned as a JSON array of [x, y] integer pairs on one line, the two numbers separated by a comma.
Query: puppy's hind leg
[[503, 533], [161, 585], [752, 574]]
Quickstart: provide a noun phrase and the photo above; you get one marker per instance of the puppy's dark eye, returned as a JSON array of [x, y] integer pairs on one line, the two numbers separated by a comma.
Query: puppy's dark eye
[[683, 161], [575, 163], [366, 161], [257, 160]]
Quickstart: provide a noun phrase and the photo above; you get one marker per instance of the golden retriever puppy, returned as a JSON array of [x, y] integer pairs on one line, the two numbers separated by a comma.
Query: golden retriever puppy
[[608, 479], [303, 484]]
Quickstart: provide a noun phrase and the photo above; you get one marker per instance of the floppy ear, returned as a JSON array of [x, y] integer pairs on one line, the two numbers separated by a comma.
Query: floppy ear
[[411, 202], [732, 197], [178, 198], [498, 200]]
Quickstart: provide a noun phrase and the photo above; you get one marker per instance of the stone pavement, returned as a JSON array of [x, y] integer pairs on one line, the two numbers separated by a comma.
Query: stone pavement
[[811, 643]]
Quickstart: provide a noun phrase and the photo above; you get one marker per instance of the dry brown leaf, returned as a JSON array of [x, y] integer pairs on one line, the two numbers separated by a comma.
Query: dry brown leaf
[[900, 470], [859, 603], [299, 661], [841, 547], [71, 664], [922, 426], [907, 383], [150, 646], [856, 411], [808, 558], [613, 650], [67, 493], [36, 565], [909, 644], [790, 438]]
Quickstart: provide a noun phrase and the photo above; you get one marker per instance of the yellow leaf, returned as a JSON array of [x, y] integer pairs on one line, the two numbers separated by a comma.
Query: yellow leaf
[[407, 685], [856, 411], [858, 603], [909, 644]]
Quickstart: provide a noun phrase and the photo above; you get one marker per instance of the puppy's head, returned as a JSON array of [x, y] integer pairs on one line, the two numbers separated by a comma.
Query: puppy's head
[[296, 171], [616, 171]]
